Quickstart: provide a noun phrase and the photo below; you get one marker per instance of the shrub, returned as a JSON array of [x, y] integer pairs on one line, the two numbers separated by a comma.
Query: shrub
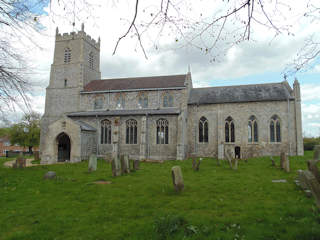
[[309, 143]]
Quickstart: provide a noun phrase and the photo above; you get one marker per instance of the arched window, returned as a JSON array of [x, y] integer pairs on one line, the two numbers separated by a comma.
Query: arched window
[[162, 131], [98, 103], [143, 100], [167, 100], [275, 129], [65, 82], [203, 130], [120, 101], [105, 132], [67, 55], [229, 129], [252, 129], [131, 131], [91, 60]]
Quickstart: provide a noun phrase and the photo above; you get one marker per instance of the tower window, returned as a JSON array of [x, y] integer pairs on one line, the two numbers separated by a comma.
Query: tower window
[[65, 82], [91, 60], [67, 55]]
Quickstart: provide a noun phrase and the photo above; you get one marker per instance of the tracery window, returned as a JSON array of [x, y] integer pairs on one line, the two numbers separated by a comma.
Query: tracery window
[[229, 129], [275, 129], [105, 131], [131, 131], [143, 100], [120, 101], [167, 100], [98, 103], [203, 130], [91, 60], [162, 131], [252, 129], [67, 55]]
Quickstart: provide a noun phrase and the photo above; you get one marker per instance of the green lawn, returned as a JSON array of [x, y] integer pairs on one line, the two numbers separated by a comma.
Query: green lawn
[[217, 203]]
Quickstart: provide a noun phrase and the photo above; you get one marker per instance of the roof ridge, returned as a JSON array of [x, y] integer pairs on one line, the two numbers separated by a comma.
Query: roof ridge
[[126, 78], [234, 86]]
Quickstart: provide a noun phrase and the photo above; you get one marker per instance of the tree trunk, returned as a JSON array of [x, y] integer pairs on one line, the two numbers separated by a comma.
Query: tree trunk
[[30, 149]]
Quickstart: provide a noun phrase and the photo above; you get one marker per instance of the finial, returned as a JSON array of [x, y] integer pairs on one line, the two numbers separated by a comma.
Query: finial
[[189, 68], [82, 27], [99, 40], [57, 30]]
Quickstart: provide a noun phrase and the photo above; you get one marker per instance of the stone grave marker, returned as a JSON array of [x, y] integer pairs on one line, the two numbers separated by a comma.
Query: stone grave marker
[[286, 165], [229, 158], [127, 164], [92, 163], [273, 163], [177, 178], [194, 163], [116, 166], [50, 175], [235, 166], [316, 153], [313, 168], [136, 164], [283, 157], [21, 162], [313, 185]]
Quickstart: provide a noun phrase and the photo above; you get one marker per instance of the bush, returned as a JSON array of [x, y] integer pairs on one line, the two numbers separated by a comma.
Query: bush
[[309, 143], [168, 225]]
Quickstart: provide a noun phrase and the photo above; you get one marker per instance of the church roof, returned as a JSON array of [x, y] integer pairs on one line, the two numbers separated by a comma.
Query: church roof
[[162, 111], [241, 93], [131, 84], [85, 126]]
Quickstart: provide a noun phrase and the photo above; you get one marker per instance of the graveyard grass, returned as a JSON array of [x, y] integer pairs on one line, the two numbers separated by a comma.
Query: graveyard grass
[[217, 202]]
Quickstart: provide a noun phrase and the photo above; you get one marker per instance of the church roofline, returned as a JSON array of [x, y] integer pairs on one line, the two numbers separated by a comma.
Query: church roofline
[[132, 90]]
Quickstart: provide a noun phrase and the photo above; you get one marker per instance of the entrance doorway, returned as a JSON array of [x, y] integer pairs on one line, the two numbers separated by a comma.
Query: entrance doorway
[[64, 147], [237, 152]]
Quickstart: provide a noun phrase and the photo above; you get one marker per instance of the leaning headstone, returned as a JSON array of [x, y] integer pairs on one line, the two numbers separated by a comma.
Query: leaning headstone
[[136, 164], [177, 178], [301, 181], [316, 153], [116, 166], [92, 163], [194, 163], [313, 185], [312, 167], [50, 175], [36, 155], [126, 163]]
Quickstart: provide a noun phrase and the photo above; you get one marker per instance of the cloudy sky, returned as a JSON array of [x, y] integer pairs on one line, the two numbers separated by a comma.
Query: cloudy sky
[[260, 60]]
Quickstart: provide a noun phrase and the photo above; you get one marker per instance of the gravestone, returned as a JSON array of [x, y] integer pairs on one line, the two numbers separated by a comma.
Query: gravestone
[[50, 175], [92, 163], [177, 178], [116, 166], [283, 157], [313, 168], [194, 163], [20, 161], [316, 153], [136, 164], [286, 165], [313, 185], [125, 164], [235, 167], [301, 181], [36, 155], [229, 158]]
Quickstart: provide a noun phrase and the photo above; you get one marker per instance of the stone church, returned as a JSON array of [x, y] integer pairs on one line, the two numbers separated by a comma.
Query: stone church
[[159, 117]]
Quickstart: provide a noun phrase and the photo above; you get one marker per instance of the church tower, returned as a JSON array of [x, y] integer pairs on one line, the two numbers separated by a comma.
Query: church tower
[[76, 62]]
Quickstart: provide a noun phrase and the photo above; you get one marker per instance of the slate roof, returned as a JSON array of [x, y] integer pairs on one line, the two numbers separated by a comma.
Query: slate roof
[[154, 82], [85, 127], [164, 111], [242, 93]]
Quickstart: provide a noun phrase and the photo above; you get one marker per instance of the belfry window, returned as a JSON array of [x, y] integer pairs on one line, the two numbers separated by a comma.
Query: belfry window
[[105, 132], [252, 129], [91, 60], [162, 131], [67, 55], [167, 100], [131, 131], [203, 130], [275, 129], [229, 130]]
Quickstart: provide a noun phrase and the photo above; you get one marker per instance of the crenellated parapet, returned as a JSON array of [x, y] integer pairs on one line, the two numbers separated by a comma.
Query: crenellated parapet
[[78, 35]]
